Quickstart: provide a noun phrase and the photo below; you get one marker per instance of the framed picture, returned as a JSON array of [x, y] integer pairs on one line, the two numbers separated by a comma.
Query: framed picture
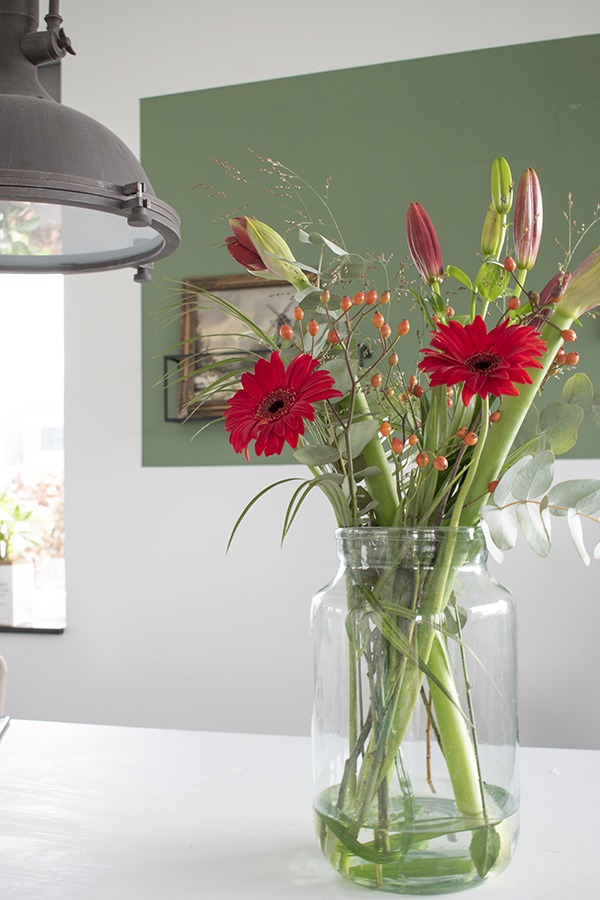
[[209, 334]]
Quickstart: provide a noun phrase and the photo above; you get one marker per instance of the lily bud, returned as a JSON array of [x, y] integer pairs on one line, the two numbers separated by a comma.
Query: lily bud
[[555, 289], [583, 291], [263, 252], [502, 185], [492, 236], [423, 244], [529, 217]]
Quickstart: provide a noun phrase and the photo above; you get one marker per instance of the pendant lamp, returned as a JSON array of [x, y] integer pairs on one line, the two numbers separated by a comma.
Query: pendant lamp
[[73, 198]]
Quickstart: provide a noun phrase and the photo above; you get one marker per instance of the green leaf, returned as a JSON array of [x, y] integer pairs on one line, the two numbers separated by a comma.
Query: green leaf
[[317, 455], [368, 472], [530, 519], [501, 525], [580, 391], [353, 270], [571, 494], [503, 492], [576, 530], [535, 477], [360, 433], [485, 847], [559, 422], [308, 299], [338, 369], [492, 281], [530, 428], [249, 506], [461, 276]]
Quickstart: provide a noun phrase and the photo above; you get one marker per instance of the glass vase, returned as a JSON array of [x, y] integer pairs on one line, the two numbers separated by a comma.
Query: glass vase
[[415, 731]]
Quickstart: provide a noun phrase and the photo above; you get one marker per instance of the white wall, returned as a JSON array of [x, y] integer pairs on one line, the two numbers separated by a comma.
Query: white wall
[[227, 648]]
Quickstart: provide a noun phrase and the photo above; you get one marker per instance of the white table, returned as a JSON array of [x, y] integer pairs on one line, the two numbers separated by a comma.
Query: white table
[[92, 812]]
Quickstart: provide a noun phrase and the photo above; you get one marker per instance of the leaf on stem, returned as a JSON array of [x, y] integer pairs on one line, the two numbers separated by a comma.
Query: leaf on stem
[[501, 525], [559, 422], [579, 390], [317, 455], [576, 529], [531, 521], [573, 493], [485, 847], [535, 477], [360, 434]]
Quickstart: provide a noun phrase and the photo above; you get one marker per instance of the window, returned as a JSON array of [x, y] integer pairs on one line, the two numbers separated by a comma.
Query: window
[[31, 435]]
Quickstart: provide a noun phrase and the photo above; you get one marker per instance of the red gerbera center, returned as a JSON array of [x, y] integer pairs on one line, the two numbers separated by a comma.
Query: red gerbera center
[[487, 362], [274, 402]]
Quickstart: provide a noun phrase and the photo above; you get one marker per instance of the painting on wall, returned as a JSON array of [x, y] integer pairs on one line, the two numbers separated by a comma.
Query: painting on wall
[[209, 335]]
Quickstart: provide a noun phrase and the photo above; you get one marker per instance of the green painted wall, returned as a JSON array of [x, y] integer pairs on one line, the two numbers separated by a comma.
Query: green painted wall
[[423, 130]]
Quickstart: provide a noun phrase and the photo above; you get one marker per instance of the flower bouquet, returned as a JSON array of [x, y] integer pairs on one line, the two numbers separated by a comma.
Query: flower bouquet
[[414, 726]]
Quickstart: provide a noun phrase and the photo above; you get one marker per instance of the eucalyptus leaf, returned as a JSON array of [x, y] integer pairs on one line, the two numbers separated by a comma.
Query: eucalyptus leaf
[[503, 492], [580, 391], [339, 251], [309, 299], [338, 369], [360, 433], [535, 478], [530, 428], [319, 455], [369, 472], [576, 530], [597, 551], [461, 276], [590, 505], [532, 525], [502, 526], [571, 493], [353, 270], [559, 421]]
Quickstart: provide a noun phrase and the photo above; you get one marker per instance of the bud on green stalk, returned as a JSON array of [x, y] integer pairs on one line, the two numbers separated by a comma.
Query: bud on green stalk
[[491, 282], [528, 221], [502, 185], [583, 291], [492, 236]]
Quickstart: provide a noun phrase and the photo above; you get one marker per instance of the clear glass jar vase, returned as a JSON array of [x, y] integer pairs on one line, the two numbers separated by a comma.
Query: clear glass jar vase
[[415, 712]]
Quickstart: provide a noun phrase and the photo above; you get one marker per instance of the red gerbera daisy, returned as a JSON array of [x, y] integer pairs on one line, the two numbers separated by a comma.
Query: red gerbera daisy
[[487, 362], [273, 403]]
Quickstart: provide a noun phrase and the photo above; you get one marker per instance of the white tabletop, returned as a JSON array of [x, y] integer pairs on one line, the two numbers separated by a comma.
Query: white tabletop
[[92, 812]]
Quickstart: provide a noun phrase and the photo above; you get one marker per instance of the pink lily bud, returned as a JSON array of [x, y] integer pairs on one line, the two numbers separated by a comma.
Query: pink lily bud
[[263, 252], [241, 247], [529, 217], [554, 289], [423, 244]]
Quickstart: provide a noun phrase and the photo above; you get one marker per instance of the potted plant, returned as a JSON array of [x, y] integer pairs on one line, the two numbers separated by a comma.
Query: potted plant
[[16, 571]]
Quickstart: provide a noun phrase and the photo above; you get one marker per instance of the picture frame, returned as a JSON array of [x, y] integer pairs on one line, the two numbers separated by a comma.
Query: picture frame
[[204, 331]]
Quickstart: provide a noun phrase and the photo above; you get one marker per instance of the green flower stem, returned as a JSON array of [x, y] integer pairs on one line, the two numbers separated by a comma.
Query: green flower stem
[[520, 276], [514, 410], [454, 731], [381, 487]]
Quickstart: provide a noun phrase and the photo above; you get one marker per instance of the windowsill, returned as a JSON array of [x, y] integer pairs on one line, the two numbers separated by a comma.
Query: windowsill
[[48, 615]]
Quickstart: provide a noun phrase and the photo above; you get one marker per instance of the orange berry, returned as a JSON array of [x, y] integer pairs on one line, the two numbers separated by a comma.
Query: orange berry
[[312, 328], [376, 380], [435, 320], [413, 440], [450, 391], [385, 297], [569, 335], [389, 392], [298, 314], [440, 463], [371, 298], [496, 416], [403, 327], [345, 303], [493, 485], [571, 359], [509, 264], [377, 319], [385, 331], [461, 432], [560, 358], [385, 429], [449, 402], [286, 332], [422, 459], [470, 438], [359, 298], [412, 381], [513, 303], [333, 337], [325, 297], [418, 391], [397, 445], [450, 312], [393, 359]]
